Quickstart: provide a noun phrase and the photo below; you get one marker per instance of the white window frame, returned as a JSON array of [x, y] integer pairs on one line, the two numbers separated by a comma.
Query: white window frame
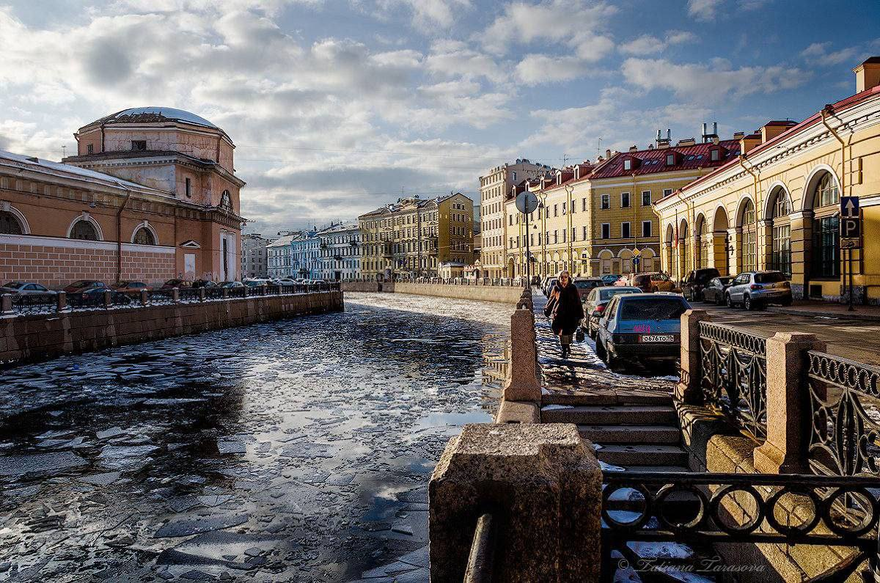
[[605, 227], [650, 228], [605, 202], [628, 201], [644, 192], [629, 228]]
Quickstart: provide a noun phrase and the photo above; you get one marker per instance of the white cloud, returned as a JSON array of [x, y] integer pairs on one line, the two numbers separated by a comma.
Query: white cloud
[[537, 69], [648, 44], [427, 15], [704, 9], [455, 58], [817, 53], [703, 83]]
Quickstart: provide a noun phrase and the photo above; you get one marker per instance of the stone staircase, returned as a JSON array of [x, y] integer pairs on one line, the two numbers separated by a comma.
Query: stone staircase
[[636, 430]]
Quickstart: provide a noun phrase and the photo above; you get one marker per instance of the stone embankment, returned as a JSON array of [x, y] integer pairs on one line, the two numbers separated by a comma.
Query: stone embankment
[[44, 336], [485, 293]]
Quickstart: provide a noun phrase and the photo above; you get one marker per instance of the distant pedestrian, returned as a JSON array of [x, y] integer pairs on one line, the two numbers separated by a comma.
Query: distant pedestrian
[[565, 311]]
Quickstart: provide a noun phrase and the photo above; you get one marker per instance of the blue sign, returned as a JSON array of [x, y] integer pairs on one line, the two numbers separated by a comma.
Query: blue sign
[[849, 207]]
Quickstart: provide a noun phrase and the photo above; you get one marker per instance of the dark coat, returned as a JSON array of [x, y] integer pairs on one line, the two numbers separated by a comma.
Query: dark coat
[[567, 312]]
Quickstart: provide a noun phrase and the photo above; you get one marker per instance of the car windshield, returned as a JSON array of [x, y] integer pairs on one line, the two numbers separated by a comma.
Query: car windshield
[[607, 294], [586, 284], [642, 279], [769, 277], [653, 308], [706, 275], [14, 284]]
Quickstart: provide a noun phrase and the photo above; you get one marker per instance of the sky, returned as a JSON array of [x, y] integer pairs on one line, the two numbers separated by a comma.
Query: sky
[[337, 107]]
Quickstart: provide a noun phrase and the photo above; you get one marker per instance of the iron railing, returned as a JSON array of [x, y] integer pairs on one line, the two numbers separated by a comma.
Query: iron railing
[[483, 281], [733, 376], [34, 304], [845, 416], [707, 508]]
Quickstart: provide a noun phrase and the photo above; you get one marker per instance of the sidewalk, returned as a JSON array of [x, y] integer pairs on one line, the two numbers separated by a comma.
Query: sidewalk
[[828, 309]]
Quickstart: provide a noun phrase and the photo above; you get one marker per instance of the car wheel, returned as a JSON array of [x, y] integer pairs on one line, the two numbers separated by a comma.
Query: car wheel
[[719, 301], [600, 350], [654, 290], [728, 300], [786, 302], [748, 304]]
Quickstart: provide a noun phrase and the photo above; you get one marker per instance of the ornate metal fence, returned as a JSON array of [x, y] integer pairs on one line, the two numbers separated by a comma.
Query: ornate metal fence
[[702, 509], [845, 416], [733, 376]]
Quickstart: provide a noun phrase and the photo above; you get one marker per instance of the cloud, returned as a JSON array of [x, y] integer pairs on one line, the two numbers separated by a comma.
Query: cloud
[[704, 83], [817, 53], [648, 44], [426, 15], [704, 9], [456, 59], [537, 69], [578, 24]]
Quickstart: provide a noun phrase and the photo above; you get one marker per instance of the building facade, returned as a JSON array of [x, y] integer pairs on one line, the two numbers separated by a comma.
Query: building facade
[[339, 248], [414, 236], [280, 262], [254, 256], [144, 199], [494, 189], [778, 205], [305, 249]]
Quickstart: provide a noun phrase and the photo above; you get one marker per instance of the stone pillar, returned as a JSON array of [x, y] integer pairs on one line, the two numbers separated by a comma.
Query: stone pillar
[[145, 297], [688, 388], [765, 244], [522, 383], [225, 293], [61, 300], [201, 294], [542, 485], [788, 403], [175, 295], [108, 299], [5, 304], [734, 255]]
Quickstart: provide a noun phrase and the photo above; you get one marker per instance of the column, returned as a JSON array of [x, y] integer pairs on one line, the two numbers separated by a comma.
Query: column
[[765, 244]]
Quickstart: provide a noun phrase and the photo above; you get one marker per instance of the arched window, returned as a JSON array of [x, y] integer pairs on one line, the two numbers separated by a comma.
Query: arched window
[[826, 229], [85, 230], [780, 253], [749, 252], [9, 224], [143, 236], [226, 201], [702, 244]]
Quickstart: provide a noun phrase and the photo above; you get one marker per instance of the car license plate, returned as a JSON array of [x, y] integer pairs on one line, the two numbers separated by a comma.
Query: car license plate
[[657, 338]]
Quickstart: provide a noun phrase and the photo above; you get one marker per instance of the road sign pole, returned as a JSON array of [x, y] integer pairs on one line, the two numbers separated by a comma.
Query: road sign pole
[[850, 280], [528, 255]]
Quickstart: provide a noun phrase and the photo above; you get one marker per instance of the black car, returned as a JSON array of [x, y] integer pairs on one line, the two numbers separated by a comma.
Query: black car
[[714, 291], [692, 286]]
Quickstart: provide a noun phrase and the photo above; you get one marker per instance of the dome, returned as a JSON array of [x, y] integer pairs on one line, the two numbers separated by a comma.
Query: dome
[[155, 115]]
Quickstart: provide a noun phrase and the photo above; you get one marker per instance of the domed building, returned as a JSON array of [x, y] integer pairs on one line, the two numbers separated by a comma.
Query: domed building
[[151, 195]]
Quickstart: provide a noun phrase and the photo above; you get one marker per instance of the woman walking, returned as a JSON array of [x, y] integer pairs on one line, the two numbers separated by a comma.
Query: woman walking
[[565, 311]]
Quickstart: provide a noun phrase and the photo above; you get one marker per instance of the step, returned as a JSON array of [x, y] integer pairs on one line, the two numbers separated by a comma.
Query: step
[[607, 397], [611, 415], [633, 454], [644, 434]]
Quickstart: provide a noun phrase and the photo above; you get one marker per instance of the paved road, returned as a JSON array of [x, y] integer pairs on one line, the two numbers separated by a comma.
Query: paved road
[[851, 339]]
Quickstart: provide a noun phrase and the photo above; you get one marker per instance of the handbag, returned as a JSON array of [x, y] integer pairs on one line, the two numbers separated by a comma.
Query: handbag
[[548, 309]]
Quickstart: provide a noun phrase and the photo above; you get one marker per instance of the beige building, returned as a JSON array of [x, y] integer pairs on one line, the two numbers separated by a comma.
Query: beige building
[[414, 237], [494, 190], [778, 205]]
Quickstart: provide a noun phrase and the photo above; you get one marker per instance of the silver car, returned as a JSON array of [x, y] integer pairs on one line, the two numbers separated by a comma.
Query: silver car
[[755, 289]]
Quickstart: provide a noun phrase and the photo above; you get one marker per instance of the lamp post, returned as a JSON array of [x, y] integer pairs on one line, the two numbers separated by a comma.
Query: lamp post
[[569, 189]]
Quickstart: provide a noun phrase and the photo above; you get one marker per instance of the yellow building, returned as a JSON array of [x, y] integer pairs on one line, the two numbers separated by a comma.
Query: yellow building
[[414, 236], [778, 205]]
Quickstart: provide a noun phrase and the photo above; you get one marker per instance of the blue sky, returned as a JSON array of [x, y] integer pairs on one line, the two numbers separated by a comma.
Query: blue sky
[[338, 106]]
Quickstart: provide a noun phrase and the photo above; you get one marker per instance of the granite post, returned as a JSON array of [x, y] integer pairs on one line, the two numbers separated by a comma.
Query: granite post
[[687, 390]]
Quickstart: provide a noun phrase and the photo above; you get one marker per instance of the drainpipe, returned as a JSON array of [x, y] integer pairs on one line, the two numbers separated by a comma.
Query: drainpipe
[[119, 236], [842, 150], [759, 207]]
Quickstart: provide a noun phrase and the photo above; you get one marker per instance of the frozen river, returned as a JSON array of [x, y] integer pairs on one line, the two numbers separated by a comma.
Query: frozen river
[[297, 450]]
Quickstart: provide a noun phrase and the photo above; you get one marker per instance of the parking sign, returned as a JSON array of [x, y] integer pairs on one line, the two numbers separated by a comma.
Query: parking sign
[[850, 222]]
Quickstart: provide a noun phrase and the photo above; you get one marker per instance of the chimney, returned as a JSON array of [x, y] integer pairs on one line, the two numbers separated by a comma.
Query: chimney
[[708, 137], [867, 74], [771, 129], [738, 135], [664, 142], [633, 148], [687, 142], [607, 154], [746, 143]]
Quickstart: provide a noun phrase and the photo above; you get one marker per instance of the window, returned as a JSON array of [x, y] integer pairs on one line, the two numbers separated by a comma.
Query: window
[[670, 159], [826, 191], [627, 164], [584, 207], [714, 155], [606, 201], [750, 238], [667, 191], [624, 230], [555, 210], [138, 145], [188, 188], [780, 252], [585, 232], [9, 224], [84, 230], [646, 198], [564, 232], [646, 228], [555, 236], [563, 209], [226, 201], [143, 236], [606, 230], [90, 149], [624, 200]]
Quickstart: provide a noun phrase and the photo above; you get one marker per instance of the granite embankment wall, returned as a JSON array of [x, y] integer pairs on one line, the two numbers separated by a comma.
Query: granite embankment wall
[[485, 293], [367, 286], [40, 337]]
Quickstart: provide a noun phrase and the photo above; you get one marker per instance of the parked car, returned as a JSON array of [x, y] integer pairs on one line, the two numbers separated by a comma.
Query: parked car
[[648, 282], [755, 289], [596, 303], [205, 283], [548, 285], [641, 326], [254, 282], [714, 291], [176, 283], [83, 286], [693, 284], [25, 288], [611, 278], [586, 284], [231, 284], [129, 286]]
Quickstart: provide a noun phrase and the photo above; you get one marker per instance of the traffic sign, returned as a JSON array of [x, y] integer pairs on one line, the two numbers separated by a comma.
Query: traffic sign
[[526, 202], [850, 228], [849, 207], [636, 252], [849, 243]]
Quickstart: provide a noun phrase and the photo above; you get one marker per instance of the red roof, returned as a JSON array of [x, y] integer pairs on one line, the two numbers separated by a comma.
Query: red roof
[[654, 161]]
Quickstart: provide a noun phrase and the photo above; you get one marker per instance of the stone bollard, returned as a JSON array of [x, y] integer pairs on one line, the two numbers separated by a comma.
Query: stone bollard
[[175, 295], [522, 384], [145, 297], [108, 299], [5, 304], [688, 388], [542, 485], [788, 404], [61, 302]]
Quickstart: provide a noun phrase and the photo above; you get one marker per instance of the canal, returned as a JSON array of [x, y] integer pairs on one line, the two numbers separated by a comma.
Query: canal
[[298, 450]]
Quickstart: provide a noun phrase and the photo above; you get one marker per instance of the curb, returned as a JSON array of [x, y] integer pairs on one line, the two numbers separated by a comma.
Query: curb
[[837, 315]]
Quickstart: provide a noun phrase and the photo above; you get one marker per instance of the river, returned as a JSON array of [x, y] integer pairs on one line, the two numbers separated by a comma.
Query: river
[[298, 450]]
